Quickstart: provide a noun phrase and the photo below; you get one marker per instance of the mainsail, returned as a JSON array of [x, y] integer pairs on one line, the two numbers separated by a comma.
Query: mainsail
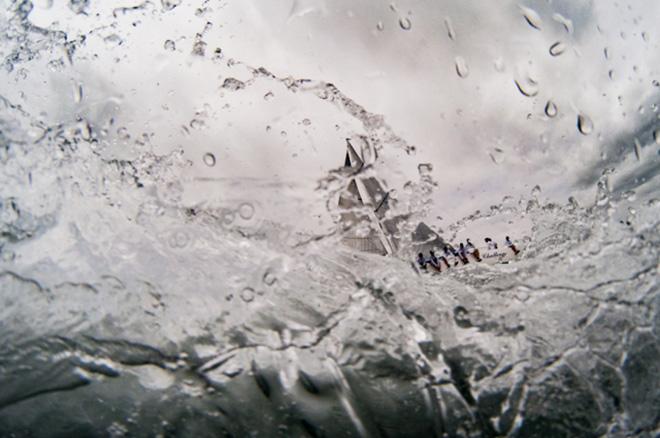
[[365, 201]]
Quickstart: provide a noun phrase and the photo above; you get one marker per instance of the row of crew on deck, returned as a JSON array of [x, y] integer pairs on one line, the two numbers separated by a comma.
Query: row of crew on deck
[[460, 255]]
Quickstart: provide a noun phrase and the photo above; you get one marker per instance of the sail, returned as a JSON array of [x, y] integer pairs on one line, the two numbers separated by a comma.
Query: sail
[[365, 200]]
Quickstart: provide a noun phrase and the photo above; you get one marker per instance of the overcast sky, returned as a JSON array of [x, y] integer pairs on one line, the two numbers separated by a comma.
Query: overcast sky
[[484, 137]]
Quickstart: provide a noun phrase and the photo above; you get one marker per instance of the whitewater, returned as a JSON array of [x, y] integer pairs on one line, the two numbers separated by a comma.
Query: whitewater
[[172, 260]]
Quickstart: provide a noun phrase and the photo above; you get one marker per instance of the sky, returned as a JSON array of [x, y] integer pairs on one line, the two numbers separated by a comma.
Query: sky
[[485, 138]]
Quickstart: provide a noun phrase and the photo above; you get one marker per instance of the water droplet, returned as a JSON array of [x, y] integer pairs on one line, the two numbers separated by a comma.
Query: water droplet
[[557, 48], [425, 169], [247, 294], [380, 26], [268, 96], [568, 24], [77, 93], [56, 65], [44, 4], [197, 124], [169, 45], [461, 67], [606, 52], [179, 239], [233, 84], [306, 122], [168, 5], [610, 74], [645, 37], [246, 210], [113, 40], [78, 6], [122, 133], [532, 17], [227, 216], [550, 109], [269, 278], [283, 133], [656, 136], [655, 83], [209, 159], [536, 191], [450, 29], [584, 124], [528, 86], [405, 23], [638, 149]]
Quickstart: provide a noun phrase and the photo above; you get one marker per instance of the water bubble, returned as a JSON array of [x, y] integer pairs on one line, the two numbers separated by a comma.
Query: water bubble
[[168, 5], [209, 159], [246, 210], [461, 67], [380, 26], [550, 109], [247, 294], [233, 84], [528, 86], [532, 17], [584, 124], [169, 45], [306, 122], [405, 23], [557, 48], [425, 169], [450, 29]]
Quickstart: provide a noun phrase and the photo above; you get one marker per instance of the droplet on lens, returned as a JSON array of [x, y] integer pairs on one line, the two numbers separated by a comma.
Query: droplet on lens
[[247, 294], [461, 67], [528, 86], [209, 159], [405, 23], [532, 17], [550, 109], [584, 124], [450, 29], [169, 45], [246, 210], [557, 48]]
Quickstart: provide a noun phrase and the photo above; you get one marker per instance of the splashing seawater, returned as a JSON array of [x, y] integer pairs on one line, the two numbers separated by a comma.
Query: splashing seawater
[[151, 285]]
